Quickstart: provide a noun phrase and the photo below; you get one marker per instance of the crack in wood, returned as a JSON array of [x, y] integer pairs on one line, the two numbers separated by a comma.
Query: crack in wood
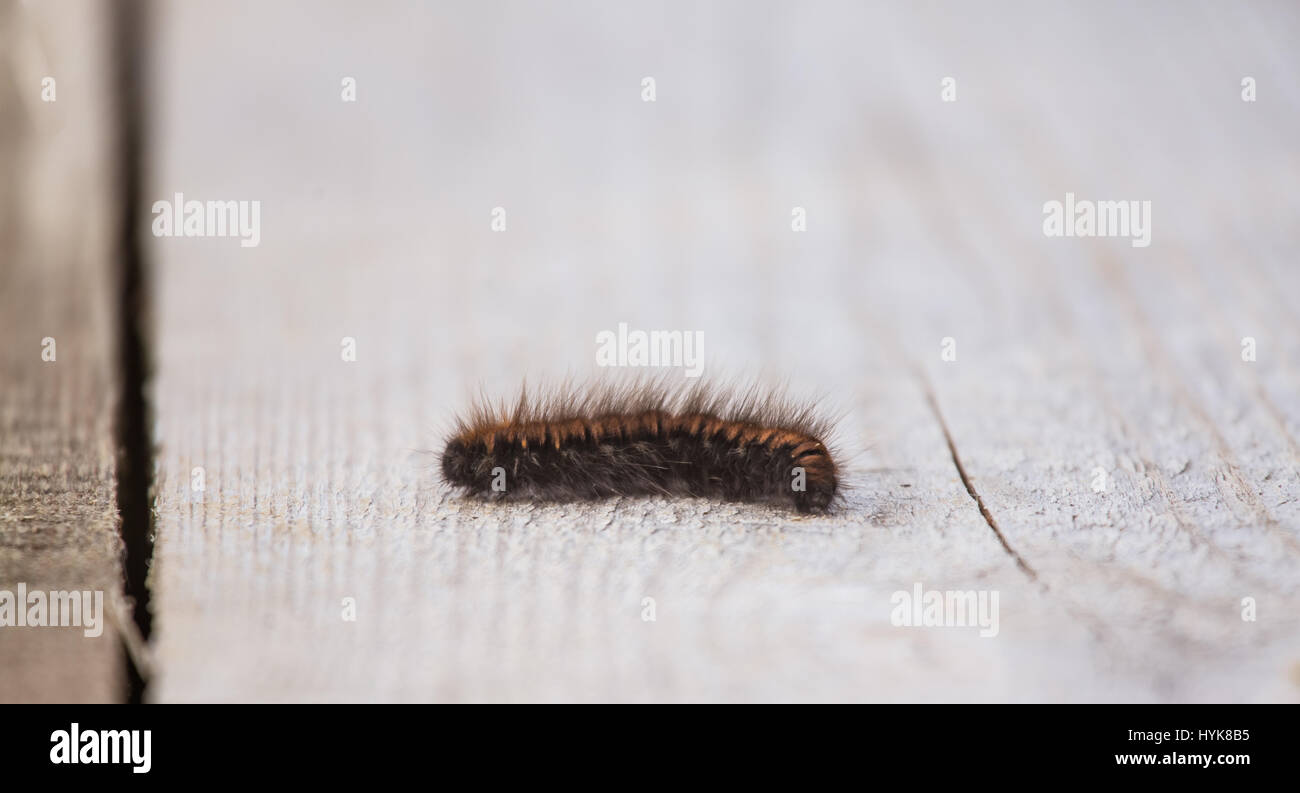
[[970, 488], [134, 451]]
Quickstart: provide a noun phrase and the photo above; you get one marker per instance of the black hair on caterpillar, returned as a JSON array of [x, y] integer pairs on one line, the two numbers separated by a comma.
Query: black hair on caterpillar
[[645, 438]]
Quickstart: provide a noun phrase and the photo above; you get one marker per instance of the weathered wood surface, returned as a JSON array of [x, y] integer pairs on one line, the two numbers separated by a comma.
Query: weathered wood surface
[[58, 522], [924, 222]]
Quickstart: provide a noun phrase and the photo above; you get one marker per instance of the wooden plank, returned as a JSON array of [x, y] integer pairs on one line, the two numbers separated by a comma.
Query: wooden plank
[[1125, 362], [924, 223], [58, 522]]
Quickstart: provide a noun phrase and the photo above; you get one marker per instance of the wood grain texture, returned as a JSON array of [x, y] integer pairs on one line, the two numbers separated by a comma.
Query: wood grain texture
[[924, 222], [58, 521]]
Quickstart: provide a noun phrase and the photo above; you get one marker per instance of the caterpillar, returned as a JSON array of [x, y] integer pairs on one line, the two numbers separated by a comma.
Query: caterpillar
[[645, 438]]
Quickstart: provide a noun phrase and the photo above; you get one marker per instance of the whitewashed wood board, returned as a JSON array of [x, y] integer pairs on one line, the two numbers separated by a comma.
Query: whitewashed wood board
[[924, 222]]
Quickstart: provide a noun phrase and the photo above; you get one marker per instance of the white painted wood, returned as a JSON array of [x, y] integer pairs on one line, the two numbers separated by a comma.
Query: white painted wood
[[924, 222]]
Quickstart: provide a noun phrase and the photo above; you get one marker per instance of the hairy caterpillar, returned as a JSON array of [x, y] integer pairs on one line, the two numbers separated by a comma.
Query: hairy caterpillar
[[645, 438]]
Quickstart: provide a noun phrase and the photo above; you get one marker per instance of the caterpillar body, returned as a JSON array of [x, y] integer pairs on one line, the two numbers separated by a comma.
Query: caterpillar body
[[645, 439]]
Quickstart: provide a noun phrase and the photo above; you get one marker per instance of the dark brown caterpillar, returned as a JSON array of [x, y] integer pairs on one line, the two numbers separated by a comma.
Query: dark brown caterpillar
[[645, 439]]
